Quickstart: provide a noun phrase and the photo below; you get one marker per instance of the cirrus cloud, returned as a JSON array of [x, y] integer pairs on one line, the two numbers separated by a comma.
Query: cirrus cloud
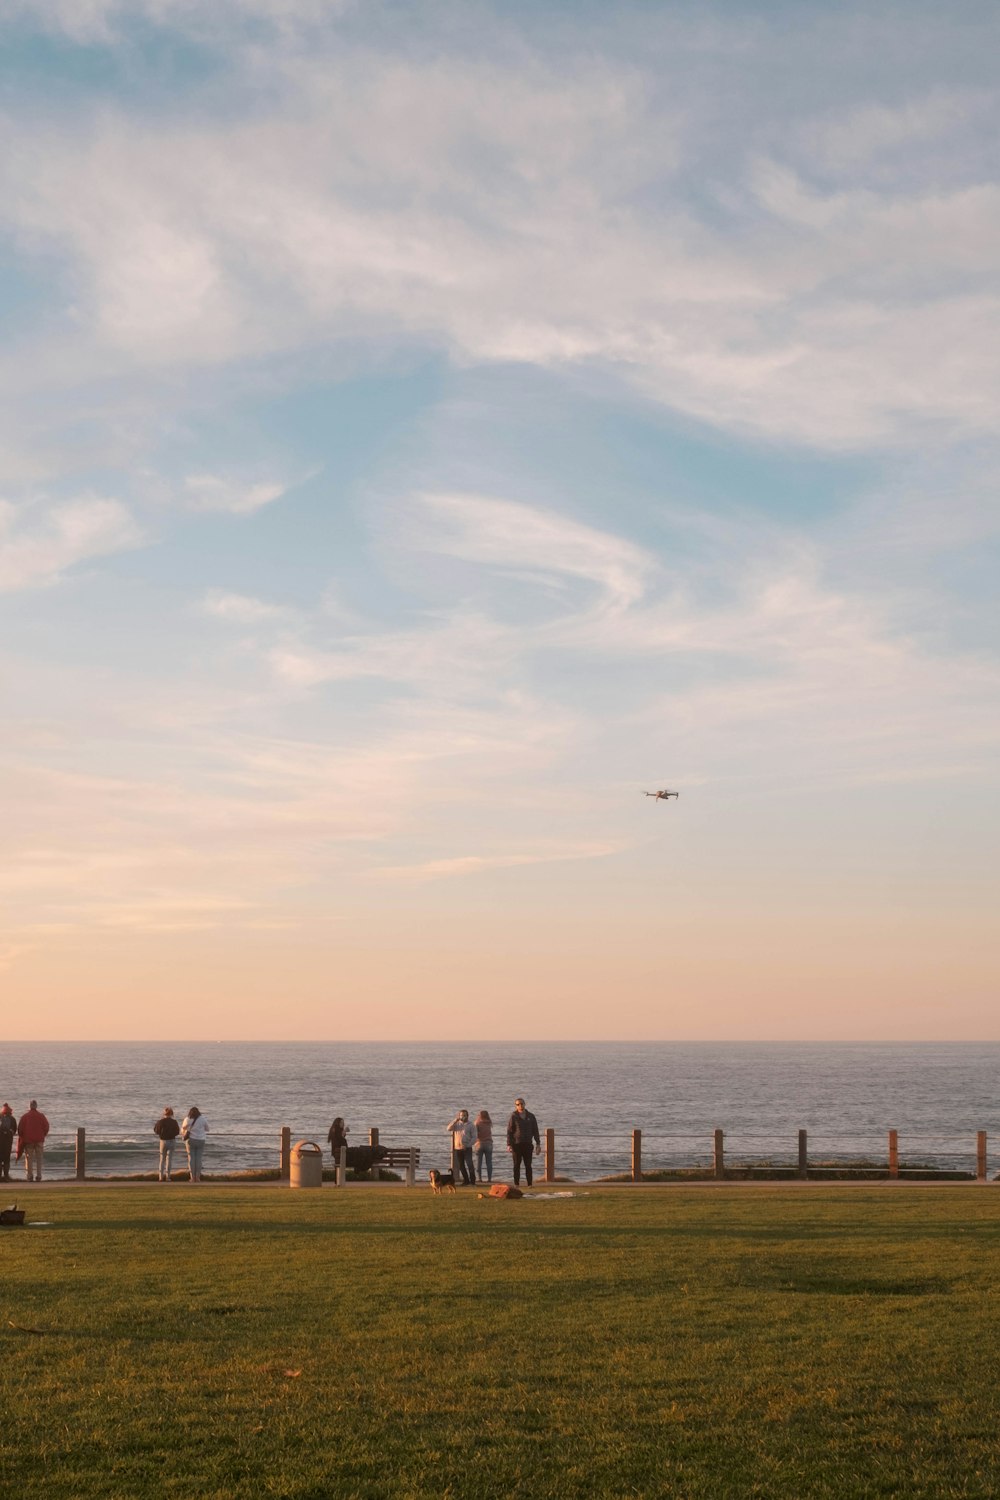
[[41, 542]]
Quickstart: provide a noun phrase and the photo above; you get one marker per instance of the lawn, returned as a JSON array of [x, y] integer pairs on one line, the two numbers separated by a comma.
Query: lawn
[[720, 1342]]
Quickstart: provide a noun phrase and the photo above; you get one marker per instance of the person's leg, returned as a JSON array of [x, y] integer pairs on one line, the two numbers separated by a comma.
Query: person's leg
[[457, 1164], [516, 1159], [198, 1153], [488, 1153], [470, 1166], [527, 1165]]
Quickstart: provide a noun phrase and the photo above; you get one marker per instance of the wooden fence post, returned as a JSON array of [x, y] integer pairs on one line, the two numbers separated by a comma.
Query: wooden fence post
[[719, 1158], [550, 1154], [637, 1156], [803, 1153], [342, 1167], [980, 1155], [81, 1153], [374, 1172], [411, 1168], [285, 1157], [893, 1153]]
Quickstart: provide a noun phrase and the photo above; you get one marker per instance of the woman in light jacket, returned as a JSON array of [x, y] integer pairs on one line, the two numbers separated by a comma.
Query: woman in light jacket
[[194, 1129], [484, 1144]]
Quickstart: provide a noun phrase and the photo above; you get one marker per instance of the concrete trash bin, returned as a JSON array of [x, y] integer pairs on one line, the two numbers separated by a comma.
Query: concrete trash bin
[[306, 1165]]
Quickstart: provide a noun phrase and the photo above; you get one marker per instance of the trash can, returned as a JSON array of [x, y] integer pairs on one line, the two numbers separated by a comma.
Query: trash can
[[306, 1165]]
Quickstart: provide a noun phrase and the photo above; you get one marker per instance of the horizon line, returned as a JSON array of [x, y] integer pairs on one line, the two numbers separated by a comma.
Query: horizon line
[[451, 1041]]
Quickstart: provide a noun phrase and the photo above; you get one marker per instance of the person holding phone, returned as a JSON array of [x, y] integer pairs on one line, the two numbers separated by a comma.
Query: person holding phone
[[462, 1133]]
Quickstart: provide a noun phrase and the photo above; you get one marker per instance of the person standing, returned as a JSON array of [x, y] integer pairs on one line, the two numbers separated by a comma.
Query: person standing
[[8, 1129], [522, 1137], [32, 1128], [337, 1136], [193, 1132], [484, 1145], [168, 1130], [462, 1133]]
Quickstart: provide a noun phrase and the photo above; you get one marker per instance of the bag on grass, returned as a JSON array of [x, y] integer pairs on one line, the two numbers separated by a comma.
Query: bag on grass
[[504, 1190]]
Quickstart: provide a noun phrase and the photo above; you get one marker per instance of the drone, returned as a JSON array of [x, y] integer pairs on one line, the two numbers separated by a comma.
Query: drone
[[661, 796]]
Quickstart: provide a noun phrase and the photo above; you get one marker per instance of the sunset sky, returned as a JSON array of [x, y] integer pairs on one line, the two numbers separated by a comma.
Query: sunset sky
[[424, 427]]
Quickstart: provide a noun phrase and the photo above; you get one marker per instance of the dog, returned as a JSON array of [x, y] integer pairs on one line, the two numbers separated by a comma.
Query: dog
[[441, 1182]]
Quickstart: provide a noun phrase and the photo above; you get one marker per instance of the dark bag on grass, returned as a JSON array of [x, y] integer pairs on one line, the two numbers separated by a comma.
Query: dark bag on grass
[[11, 1215]]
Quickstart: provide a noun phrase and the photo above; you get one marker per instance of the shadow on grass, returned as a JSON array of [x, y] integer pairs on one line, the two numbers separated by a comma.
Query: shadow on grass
[[831, 1285], [513, 1220]]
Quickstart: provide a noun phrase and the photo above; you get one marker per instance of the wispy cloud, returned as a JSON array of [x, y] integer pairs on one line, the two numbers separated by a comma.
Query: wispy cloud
[[548, 218], [40, 542], [543, 545], [11, 952], [243, 609], [226, 493], [476, 864]]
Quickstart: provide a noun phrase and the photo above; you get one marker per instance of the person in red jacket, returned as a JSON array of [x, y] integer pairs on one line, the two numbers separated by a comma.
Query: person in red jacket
[[32, 1128]]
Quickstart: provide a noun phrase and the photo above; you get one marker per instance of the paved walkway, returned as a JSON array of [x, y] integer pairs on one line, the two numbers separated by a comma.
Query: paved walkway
[[797, 1185]]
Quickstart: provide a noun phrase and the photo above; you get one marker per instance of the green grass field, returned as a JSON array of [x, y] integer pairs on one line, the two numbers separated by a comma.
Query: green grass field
[[693, 1342]]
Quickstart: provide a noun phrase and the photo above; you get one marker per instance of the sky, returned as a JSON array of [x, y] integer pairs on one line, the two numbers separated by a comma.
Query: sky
[[423, 428]]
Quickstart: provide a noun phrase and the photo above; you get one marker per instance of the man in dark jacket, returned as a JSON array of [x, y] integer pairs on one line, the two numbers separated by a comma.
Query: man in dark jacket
[[168, 1130], [522, 1135]]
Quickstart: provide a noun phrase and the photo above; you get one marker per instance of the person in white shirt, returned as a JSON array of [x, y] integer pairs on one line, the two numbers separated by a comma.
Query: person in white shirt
[[462, 1133], [194, 1129]]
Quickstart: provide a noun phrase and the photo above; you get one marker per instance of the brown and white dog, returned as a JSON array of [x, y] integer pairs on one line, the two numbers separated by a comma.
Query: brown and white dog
[[441, 1182]]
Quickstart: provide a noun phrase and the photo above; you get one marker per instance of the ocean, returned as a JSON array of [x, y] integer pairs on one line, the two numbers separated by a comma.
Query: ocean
[[846, 1095]]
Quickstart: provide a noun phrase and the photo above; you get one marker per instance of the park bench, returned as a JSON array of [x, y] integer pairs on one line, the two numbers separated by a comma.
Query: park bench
[[404, 1159], [401, 1157], [362, 1159]]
